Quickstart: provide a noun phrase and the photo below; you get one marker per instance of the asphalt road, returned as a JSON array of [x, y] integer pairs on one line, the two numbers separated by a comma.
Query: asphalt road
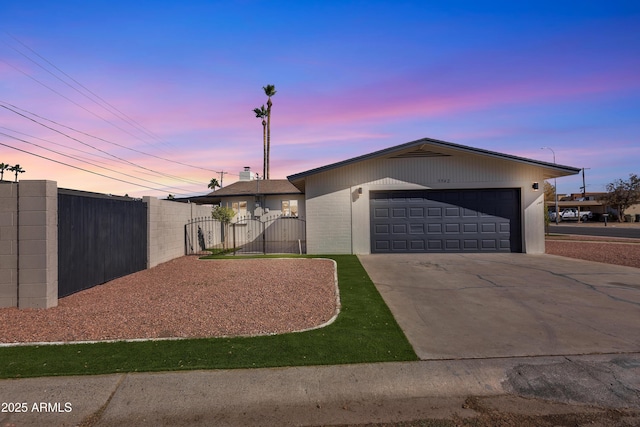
[[599, 229]]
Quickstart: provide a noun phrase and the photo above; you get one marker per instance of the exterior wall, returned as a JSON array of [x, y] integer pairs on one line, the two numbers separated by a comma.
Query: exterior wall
[[329, 219], [8, 244], [338, 216], [165, 222]]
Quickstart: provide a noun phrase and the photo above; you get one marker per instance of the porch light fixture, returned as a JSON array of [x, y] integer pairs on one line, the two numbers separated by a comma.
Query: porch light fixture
[[535, 186], [359, 190]]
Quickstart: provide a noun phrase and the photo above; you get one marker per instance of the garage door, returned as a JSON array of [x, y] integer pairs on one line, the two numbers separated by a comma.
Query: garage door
[[446, 221]]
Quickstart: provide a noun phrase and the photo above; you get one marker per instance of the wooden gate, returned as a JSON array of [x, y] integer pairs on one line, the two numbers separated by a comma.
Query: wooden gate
[[100, 238]]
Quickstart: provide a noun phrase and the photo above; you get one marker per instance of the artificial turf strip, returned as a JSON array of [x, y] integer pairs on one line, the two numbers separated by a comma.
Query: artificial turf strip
[[365, 331]]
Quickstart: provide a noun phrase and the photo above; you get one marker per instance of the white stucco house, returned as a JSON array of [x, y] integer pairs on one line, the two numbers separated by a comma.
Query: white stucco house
[[427, 196]]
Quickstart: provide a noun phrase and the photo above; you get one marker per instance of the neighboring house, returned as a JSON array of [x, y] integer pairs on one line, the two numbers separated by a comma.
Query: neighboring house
[[427, 196], [255, 199]]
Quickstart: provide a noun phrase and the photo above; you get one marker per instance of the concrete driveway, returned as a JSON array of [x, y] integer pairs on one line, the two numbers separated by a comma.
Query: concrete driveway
[[454, 306]]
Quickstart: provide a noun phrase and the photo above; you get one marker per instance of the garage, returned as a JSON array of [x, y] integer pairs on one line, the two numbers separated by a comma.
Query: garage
[[467, 220]]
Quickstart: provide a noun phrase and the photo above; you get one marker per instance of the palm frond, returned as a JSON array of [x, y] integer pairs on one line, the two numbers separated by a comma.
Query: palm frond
[[261, 112], [269, 90]]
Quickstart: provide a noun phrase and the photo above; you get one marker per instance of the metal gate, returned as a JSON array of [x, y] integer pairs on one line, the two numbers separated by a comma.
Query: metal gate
[[100, 238], [267, 235]]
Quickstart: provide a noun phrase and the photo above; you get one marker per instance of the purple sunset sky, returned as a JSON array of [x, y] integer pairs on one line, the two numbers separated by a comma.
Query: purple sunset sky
[[168, 87]]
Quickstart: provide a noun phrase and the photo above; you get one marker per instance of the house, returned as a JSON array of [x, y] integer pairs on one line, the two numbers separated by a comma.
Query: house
[[427, 196], [257, 199]]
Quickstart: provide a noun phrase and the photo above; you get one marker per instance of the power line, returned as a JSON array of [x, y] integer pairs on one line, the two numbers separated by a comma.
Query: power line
[[91, 136], [87, 144], [86, 170], [103, 104], [92, 164], [112, 109]]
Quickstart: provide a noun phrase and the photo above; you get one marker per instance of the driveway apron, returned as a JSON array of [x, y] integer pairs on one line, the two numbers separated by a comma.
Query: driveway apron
[[476, 305]]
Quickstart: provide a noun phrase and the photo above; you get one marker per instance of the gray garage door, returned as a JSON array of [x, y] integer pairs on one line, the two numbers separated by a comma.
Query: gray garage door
[[446, 221]]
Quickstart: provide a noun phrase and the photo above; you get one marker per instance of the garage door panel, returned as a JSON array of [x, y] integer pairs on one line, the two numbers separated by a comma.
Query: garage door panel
[[380, 213], [452, 245], [470, 213], [399, 229], [489, 227], [399, 212], [399, 245], [416, 229], [452, 211], [417, 245], [382, 229], [489, 244], [453, 228], [434, 228], [382, 245], [471, 244], [449, 221], [469, 228]]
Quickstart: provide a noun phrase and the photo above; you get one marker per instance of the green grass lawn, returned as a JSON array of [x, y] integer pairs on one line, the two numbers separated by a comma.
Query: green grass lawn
[[365, 331]]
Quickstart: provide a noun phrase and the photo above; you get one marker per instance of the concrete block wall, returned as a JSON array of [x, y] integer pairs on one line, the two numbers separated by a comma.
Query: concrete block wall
[[8, 244], [38, 244], [29, 244], [165, 225]]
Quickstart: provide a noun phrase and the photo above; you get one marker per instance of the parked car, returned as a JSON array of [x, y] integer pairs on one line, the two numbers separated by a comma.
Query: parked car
[[571, 214]]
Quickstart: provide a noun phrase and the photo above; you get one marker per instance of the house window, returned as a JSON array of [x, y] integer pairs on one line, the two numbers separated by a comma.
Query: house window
[[290, 208], [240, 208]]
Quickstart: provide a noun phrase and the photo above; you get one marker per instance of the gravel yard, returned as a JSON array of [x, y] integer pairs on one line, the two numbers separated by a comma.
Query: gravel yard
[[188, 297], [600, 249]]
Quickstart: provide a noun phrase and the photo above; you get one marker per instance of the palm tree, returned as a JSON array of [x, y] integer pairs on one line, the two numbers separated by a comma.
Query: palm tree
[[3, 167], [261, 113], [213, 184], [269, 90], [17, 169]]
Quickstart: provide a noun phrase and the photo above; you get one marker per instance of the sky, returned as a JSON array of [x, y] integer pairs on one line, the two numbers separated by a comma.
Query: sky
[[151, 98]]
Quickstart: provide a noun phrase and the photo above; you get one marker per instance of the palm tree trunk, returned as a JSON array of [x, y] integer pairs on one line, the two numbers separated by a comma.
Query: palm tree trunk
[[268, 136], [264, 149]]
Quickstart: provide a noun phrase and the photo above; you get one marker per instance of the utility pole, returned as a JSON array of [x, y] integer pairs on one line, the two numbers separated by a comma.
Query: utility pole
[[222, 173], [584, 185], [555, 186]]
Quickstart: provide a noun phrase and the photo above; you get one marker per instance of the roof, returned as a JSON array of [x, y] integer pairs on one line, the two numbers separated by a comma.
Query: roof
[[265, 187], [427, 147]]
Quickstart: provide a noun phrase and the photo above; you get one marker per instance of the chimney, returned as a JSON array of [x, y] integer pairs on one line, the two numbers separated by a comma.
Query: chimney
[[246, 174]]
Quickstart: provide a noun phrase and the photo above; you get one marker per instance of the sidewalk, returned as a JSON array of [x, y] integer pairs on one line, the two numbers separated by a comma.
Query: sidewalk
[[318, 395]]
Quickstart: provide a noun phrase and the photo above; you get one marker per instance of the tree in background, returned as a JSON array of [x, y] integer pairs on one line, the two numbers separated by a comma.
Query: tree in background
[[17, 169], [621, 194], [213, 184], [3, 167], [261, 113], [549, 192], [269, 90], [224, 215]]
